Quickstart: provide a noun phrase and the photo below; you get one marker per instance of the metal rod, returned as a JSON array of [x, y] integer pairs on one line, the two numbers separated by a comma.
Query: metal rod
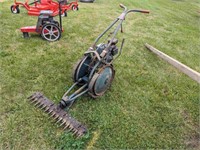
[[120, 51], [70, 89], [85, 91], [110, 26], [114, 34], [77, 92], [92, 72], [95, 52], [60, 18]]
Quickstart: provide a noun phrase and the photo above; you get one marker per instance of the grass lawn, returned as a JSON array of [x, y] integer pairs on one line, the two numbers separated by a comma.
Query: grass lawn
[[150, 105]]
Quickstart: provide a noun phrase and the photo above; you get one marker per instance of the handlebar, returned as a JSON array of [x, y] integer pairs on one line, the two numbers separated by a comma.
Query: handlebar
[[122, 6], [141, 11], [126, 11], [121, 18]]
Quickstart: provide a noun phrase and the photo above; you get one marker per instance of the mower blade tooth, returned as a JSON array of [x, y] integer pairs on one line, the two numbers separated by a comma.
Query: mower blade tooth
[[75, 132], [57, 120], [60, 119], [46, 109], [40, 105], [50, 112], [37, 103], [52, 115], [79, 135], [70, 128], [30, 97], [35, 96], [43, 106], [62, 123], [66, 126], [33, 100], [56, 117]]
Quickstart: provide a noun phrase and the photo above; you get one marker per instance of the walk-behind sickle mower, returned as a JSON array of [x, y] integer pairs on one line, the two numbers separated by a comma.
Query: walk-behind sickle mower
[[39, 5], [93, 74], [47, 27]]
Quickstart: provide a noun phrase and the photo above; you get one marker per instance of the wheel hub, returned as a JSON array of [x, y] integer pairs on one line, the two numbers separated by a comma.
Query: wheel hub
[[51, 32], [101, 81]]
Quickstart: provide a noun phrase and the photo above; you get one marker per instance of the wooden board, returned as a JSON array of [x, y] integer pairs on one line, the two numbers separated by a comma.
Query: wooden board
[[183, 68]]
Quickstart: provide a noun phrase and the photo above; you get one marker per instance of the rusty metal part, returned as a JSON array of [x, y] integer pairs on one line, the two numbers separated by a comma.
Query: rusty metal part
[[100, 81], [61, 116]]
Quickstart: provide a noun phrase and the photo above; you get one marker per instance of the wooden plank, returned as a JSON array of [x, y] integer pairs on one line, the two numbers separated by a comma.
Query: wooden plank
[[183, 68]]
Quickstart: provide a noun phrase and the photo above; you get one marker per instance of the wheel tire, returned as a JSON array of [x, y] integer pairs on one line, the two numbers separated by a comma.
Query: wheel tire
[[64, 14], [80, 69], [25, 35], [56, 23], [51, 32], [75, 68], [15, 10], [75, 8], [87, 1]]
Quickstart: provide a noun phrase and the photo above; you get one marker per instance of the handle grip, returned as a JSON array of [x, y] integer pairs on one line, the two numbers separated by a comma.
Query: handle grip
[[145, 11], [140, 11], [122, 6]]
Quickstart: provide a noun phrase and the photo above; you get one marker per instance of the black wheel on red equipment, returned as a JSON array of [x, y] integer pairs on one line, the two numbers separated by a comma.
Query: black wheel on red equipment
[[64, 14], [56, 23], [25, 35], [75, 8], [51, 32], [15, 9]]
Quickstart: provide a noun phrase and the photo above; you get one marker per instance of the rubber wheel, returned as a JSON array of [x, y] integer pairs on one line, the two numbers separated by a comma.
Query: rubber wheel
[[15, 10], [87, 1], [51, 32], [56, 23], [64, 14], [25, 35], [75, 8]]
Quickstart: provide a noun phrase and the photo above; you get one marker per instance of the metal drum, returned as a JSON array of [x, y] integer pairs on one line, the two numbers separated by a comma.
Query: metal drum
[[101, 81]]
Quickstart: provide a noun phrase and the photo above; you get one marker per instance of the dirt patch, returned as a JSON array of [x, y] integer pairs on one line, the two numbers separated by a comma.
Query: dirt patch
[[192, 140]]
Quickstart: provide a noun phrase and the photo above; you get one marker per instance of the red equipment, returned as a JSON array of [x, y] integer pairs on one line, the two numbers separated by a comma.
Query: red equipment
[[45, 5], [47, 27]]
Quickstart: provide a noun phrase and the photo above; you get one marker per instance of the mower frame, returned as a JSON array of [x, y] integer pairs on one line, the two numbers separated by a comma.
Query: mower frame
[[88, 81], [47, 5]]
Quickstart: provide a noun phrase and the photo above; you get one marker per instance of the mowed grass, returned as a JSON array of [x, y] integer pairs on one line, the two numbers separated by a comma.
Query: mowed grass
[[150, 105]]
